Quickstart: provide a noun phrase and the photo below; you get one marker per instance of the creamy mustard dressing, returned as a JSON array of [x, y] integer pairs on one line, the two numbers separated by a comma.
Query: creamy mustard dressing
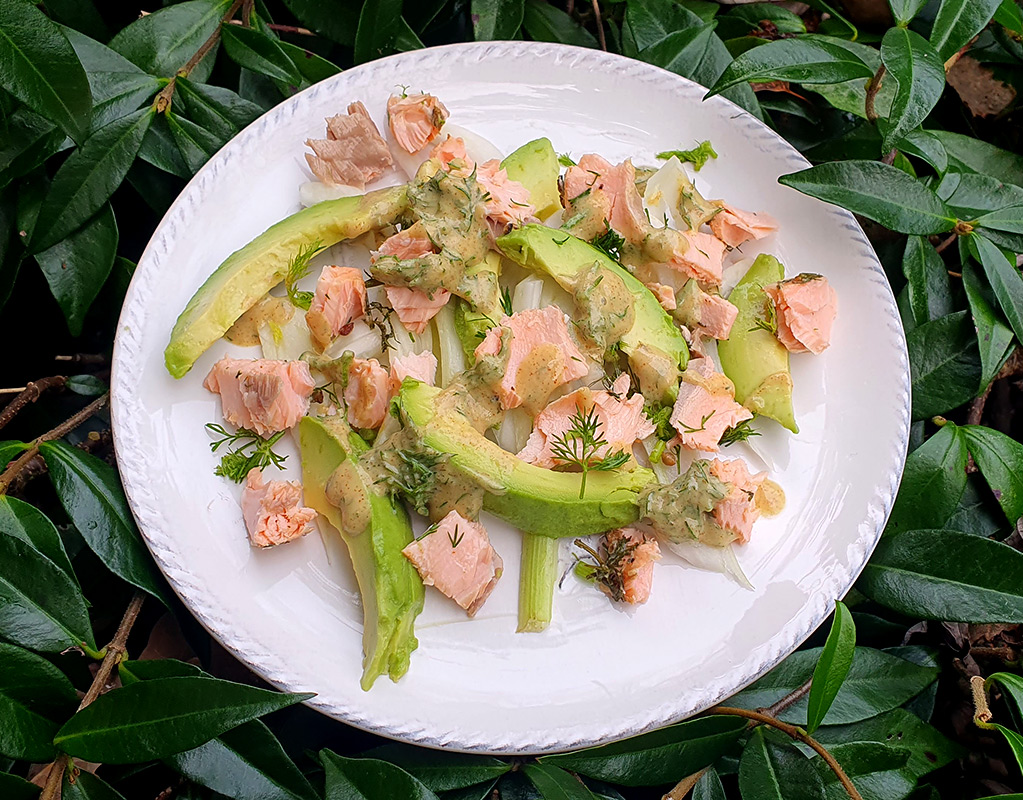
[[346, 491], [605, 310], [245, 331], [657, 372], [539, 373], [770, 498]]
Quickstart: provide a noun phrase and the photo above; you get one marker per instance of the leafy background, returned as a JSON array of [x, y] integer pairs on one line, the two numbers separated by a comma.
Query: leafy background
[[908, 112]]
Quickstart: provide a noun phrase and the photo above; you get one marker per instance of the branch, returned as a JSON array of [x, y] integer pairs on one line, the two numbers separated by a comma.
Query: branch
[[792, 697], [684, 786], [944, 243], [30, 394], [113, 654], [68, 425], [873, 87], [600, 24], [800, 736]]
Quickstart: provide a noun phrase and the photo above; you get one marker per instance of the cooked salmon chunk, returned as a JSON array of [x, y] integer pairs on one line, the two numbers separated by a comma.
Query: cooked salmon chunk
[[665, 295], [541, 356], [710, 313], [415, 120], [259, 394], [612, 189], [698, 255], [367, 394], [805, 307], [415, 308], [507, 201], [353, 154], [273, 510], [458, 559], [412, 242], [738, 510], [421, 366], [634, 554], [705, 407], [620, 422], [339, 300], [734, 227]]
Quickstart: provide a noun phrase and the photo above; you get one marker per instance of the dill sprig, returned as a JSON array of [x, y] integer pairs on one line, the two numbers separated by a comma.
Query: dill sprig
[[738, 433], [415, 476], [608, 567], [252, 450], [298, 268], [378, 317], [660, 416], [579, 445], [506, 302], [703, 423], [455, 537], [609, 242], [565, 160], [766, 320], [698, 156]]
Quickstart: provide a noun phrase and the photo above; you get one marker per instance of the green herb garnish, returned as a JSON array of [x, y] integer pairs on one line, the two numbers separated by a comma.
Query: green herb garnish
[[565, 160], [578, 447], [738, 433], [298, 268], [506, 301], [252, 451], [608, 568], [698, 156], [609, 242]]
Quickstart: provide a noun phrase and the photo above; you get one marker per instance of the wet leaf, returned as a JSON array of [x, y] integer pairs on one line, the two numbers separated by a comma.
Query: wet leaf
[[368, 779], [258, 52], [945, 364], [925, 145], [35, 697], [920, 75], [832, 668], [769, 770], [336, 21], [32, 526], [86, 786], [158, 718], [946, 575], [497, 19], [545, 23], [958, 22], [976, 155], [930, 294], [86, 385], [378, 27], [1004, 227], [709, 787], [905, 10], [658, 757], [976, 194], [39, 67], [219, 111], [440, 770], [554, 783], [1000, 460], [932, 484], [90, 492], [681, 52], [876, 770], [310, 66]]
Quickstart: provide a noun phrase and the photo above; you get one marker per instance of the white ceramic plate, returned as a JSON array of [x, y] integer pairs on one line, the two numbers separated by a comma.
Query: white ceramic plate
[[599, 673]]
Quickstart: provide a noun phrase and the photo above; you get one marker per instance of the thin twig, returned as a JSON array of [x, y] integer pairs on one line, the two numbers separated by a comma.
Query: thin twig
[[792, 697], [981, 711], [800, 736], [977, 406], [29, 394], [68, 425], [944, 243], [290, 29], [600, 24], [684, 786], [85, 359], [113, 654], [1003, 653], [873, 86]]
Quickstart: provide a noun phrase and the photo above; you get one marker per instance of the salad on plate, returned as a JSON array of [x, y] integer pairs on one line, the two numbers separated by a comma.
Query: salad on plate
[[451, 333]]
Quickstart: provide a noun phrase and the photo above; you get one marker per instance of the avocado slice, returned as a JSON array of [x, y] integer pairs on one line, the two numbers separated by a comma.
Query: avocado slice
[[392, 591], [251, 272], [534, 500], [752, 357], [535, 166], [568, 259]]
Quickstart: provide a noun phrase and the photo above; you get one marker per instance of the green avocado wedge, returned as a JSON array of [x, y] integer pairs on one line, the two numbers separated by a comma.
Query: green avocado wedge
[[251, 272], [535, 166], [534, 500], [391, 589], [752, 357]]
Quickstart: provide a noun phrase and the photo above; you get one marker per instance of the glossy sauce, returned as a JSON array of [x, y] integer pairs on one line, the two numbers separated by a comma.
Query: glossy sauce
[[245, 331]]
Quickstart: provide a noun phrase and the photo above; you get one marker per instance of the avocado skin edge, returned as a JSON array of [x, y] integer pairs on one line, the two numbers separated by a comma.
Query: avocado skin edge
[[249, 273], [533, 499], [391, 589]]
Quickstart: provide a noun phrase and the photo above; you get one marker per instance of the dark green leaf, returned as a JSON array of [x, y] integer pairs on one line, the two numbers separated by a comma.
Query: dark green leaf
[[925, 145], [876, 770], [32, 526], [162, 42], [1000, 460], [76, 268], [681, 52], [91, 494], [336, 21], [87, 385], [772, 771], [809, 60], [158, 718], [135, 671], [439, 770], [958, 22], [877, 682], [247, 763], [1011, 685], [920, 75], [253, 50], [82, 15], [658, 757], [1005, 281], [1004, 221], [946, 575], [195, 144], [86, 786], [976, 155], [368, 779], [945, 364], [160, 149], [34, 696], [832, 668], [220, 111], [481, 791], [929, 749], [905, 10], [554, 783], [976, 194], [978, 512], [650, 21], [310, 66], [832, 22], [14, 788], [949, 181], [932, 484], [741, 19], [545, 23], [40, 606], [878, 192], [378, 25], [39, 67], [497, 19], [1015, 742], [709, 787], [87, 179], [29, 140], [9, 450], [405, 39], [930, 294]]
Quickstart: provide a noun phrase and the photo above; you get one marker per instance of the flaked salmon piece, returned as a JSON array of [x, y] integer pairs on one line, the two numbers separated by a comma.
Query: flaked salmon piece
[[698, 255], [421, 366], [412, 242], [709, 313], [415, 308], [665, 295], [636, 566], [259, 394], [273, 511], [458, 559], [452, 156], [594, 175], [367, 394], [734, 227], [705, 407], [415, 120], [805, 307], [353, 154], [507, 201], [339, 300], [541, 356], [620, 422], [738, 510]]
